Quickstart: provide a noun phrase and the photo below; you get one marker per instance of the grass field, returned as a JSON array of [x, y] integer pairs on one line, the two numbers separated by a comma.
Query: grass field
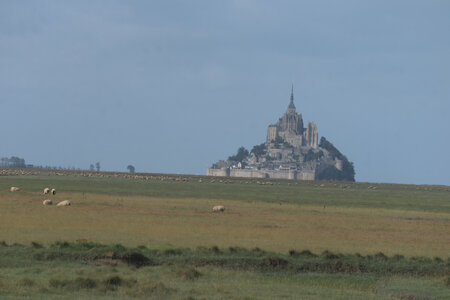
[[163, 212]]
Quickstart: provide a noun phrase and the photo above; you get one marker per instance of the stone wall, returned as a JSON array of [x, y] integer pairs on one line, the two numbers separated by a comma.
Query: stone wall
[[278, 174], [224, 172], [248, 173], [307, 175]]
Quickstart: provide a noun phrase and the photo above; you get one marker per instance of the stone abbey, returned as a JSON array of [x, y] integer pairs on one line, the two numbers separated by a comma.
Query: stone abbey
[[291, 151], [290, 128]]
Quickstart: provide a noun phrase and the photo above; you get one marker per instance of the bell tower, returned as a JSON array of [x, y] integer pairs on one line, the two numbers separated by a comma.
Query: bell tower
[[291, 108]]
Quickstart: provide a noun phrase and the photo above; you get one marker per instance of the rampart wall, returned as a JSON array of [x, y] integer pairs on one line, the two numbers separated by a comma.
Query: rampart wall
[[248, 173]]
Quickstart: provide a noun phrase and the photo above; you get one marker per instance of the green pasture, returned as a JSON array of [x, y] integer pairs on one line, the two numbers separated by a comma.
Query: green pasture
[[276, 238]]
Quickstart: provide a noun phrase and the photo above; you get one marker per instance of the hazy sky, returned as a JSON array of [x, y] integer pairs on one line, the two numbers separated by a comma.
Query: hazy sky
[[174, 86]]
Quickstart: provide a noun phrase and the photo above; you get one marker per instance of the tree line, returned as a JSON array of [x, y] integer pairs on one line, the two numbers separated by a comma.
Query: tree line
[[17, 162]]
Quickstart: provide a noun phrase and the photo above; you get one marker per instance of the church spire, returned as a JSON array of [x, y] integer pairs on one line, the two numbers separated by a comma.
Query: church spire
[[291, 104]]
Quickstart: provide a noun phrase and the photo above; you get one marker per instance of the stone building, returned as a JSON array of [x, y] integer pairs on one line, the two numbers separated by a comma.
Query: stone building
[[290, 128], [291, 151]]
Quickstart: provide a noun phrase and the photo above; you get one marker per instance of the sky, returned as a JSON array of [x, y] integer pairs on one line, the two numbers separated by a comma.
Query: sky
[[174, 86]]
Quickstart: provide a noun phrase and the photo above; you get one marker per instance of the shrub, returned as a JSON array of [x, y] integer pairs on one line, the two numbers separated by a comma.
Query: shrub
[[77, 284], [274, 262], [329, 255], [173, 252], [258, 250], [113, 281], [26, 282], [60, 244], [36, 245], [136, 259], [236, 249], [188, 273], [156, 288], [215, 249], [119, 248], [398, 257], [305, 253], [380, 255], [53, 255], [85, 283], [57, 283]]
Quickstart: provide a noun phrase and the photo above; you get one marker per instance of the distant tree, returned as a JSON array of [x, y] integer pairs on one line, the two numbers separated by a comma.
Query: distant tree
[[278, 141], [13, 162], [130, 168], [97, 166], [241, 154], [91, 167], [259, 150], [311, 155]]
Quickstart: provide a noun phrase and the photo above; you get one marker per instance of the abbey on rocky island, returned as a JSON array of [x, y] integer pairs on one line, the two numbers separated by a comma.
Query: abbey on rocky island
[[291, 151]]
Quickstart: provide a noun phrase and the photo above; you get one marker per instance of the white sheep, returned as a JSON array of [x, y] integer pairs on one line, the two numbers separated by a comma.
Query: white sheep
[[14, 189], [46, 191], [218, 208], [53, 192], [47, 202], [64, 203]]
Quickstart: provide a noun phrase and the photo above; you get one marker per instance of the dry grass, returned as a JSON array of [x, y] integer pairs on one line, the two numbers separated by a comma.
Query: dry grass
[[158, 211], [152, 221]]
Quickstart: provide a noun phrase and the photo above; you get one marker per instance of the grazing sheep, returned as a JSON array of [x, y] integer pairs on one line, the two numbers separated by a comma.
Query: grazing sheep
[[14, 189], [64, 203], [46, 191], [53, 192], [47, 202], [218, 208]]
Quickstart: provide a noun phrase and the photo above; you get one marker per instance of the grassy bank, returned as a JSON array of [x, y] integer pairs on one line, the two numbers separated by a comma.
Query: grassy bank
[[114, 271]]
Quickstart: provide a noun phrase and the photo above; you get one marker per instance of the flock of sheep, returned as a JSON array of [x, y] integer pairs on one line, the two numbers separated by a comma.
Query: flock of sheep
[[46, 192], [217, 208]]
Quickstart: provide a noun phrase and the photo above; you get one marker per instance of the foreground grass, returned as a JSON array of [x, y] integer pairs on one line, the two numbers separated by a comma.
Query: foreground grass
[[72, 271]]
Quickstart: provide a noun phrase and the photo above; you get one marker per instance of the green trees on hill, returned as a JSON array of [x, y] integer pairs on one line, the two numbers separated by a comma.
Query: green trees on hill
[[241, 154], [331, 172], [259, 150], [311, 155]]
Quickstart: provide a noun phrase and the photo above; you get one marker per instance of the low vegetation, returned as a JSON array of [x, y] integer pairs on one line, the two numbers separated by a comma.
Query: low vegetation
[[116, 270]]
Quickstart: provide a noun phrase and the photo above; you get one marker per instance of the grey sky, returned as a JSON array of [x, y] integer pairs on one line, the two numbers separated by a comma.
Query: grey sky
[[173, 86]]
